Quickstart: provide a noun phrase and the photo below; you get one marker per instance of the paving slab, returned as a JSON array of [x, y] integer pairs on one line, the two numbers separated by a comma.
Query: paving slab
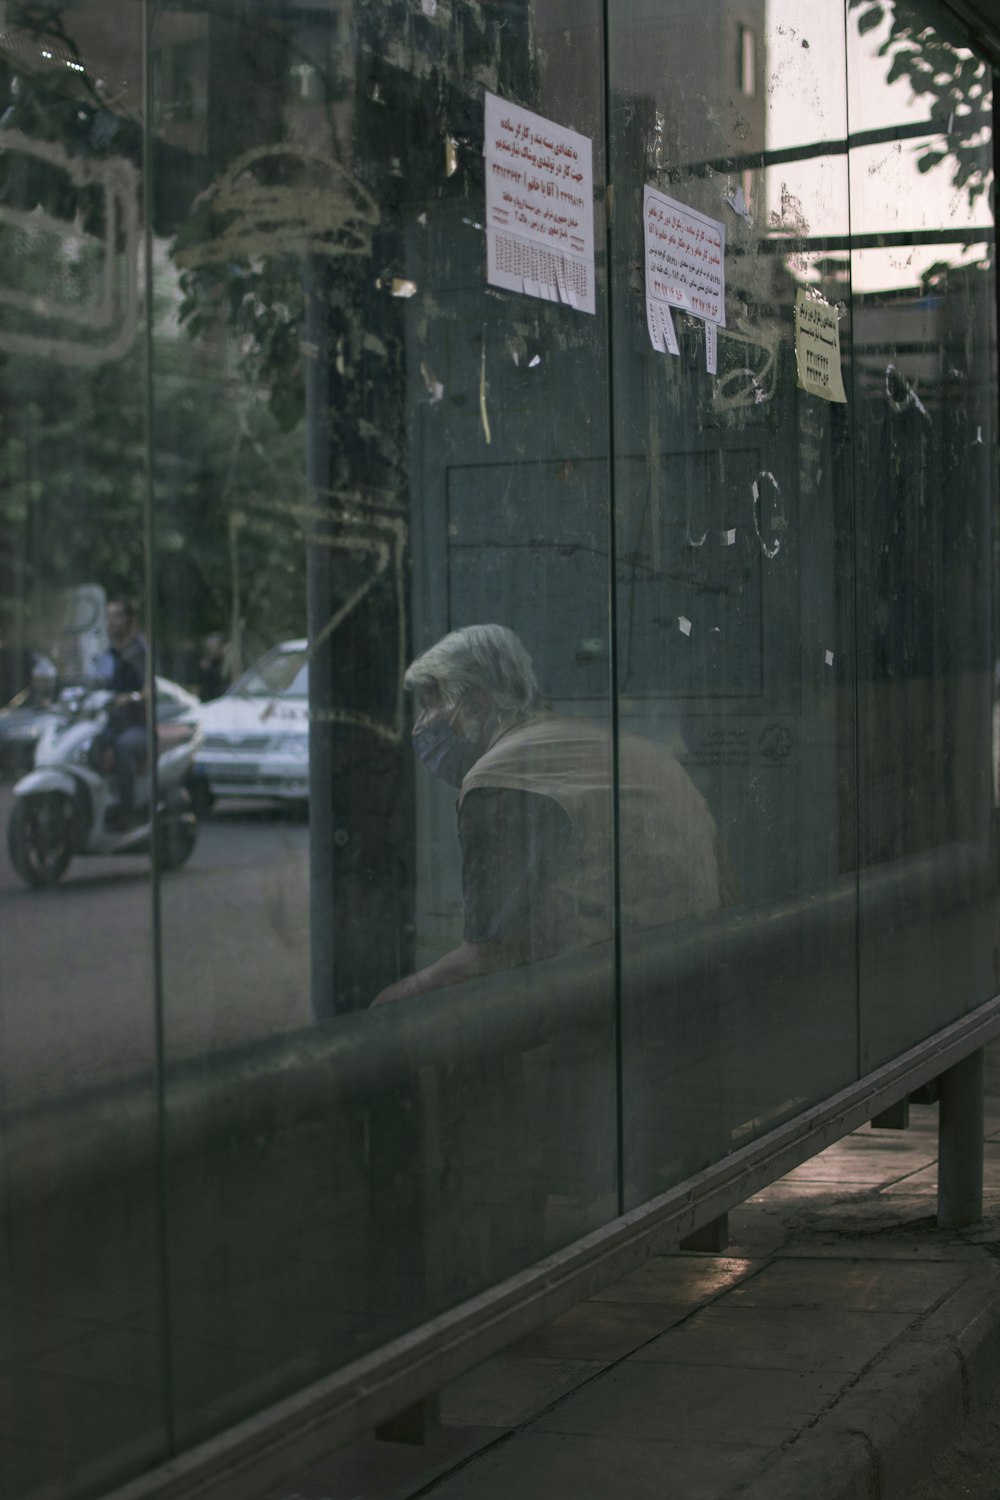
[[654, 1401], [601, 1330], [784, 1338], [509, 1390], [852, 1284], [675, 1279], [536, 1465]]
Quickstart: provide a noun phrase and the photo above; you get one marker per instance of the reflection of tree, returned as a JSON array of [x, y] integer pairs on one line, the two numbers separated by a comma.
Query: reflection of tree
[[239, 486], [955, 82], [74, 448], [72, 456], [72, 443]]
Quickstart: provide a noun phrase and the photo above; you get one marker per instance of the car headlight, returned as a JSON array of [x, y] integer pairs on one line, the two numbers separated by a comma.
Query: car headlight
[[293, 744]]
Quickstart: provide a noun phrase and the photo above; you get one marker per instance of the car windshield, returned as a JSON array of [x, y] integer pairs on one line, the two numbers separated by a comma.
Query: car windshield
[[279, 674]]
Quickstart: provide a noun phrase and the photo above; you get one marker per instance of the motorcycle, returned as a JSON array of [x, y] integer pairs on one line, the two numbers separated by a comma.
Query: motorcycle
[[68, 804]]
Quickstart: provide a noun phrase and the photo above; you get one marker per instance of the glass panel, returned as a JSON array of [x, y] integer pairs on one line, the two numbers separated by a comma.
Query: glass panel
[[925, 327], [734, 579], [81, 1348], [361, 446], [463, 728]]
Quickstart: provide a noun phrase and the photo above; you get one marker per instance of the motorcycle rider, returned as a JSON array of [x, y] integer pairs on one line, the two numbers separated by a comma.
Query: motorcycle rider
[[122, 669]]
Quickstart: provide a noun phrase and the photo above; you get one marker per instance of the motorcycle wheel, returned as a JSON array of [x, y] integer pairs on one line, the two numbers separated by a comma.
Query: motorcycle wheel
[[40, 837], [178, 831]]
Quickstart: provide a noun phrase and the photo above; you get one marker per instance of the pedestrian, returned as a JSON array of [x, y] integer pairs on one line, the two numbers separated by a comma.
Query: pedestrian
[[213, 678]]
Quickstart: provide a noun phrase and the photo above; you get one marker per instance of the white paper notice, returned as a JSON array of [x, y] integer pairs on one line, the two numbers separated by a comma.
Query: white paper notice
[[685, 257], [667, 327], [653, 325], [712, 348], [539, 206], [817, 348]]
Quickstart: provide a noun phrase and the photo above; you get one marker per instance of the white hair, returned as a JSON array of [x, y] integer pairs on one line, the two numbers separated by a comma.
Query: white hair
[[489, 658]]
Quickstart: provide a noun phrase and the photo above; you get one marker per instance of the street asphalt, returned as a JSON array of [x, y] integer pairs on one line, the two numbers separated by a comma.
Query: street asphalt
[[834, 1351], [76, 990]]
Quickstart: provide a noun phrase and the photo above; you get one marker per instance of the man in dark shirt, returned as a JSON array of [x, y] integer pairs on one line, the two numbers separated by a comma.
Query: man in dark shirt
[[122, 670]]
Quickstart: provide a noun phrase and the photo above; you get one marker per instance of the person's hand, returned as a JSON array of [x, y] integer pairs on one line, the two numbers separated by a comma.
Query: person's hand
[[401, 990]]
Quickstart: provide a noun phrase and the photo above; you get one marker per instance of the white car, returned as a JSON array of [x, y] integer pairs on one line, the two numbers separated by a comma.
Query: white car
[[256, 736]]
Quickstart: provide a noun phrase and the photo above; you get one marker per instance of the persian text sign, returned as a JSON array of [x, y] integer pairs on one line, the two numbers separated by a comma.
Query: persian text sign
[[817, 347], [685, 257], [539, 206]]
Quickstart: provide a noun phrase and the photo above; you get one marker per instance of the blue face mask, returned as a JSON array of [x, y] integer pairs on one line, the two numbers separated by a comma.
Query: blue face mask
[[444, 752]]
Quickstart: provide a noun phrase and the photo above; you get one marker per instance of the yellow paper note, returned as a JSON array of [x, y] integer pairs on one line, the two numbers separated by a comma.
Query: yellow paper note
[[817, 347]]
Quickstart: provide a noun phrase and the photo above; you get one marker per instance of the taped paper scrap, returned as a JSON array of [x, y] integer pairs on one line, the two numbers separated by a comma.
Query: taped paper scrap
[[738, 203], [684, 625], [829, 658], [731, 537], [711, 348], [667, 327], [653, 327]]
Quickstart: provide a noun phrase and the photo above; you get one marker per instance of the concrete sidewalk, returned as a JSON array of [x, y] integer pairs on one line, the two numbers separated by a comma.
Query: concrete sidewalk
[[830, 1354]]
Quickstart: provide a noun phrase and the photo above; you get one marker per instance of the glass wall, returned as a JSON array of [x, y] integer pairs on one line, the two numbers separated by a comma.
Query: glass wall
[[82, 1335], [734, 573], [925, 426], [496, 596], [385, 451]]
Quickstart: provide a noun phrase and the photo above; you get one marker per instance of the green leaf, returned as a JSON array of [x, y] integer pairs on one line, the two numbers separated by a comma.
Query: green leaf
[[901, 65], [871, 18]]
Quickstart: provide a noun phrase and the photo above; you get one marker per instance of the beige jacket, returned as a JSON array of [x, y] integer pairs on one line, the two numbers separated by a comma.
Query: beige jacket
[[669, 863]]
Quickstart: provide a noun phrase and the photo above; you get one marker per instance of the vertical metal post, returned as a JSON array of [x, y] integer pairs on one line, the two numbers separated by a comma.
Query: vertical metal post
[[319, 612], [960, 1144], [713, 1236], [418, 1424]]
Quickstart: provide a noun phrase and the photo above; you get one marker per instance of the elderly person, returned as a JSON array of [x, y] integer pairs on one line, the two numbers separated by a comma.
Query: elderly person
[[536, 815]]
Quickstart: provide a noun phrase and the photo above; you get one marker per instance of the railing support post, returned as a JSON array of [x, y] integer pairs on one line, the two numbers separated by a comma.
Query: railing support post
[[960, 1144], [417, 1424], [713, 1236]]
